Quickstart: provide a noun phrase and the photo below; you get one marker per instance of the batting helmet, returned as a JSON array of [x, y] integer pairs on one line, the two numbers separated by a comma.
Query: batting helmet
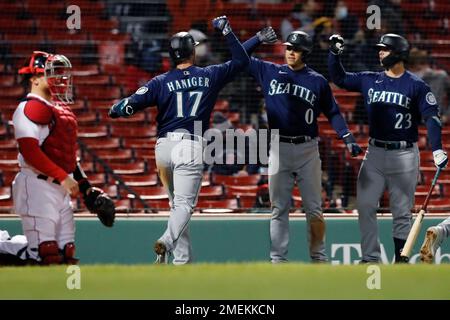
[[36, 64], [300, 40], [181, 46], [399, 47]]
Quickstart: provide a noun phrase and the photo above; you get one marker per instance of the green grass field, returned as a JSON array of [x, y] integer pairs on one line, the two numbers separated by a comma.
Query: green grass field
[[227, 281]]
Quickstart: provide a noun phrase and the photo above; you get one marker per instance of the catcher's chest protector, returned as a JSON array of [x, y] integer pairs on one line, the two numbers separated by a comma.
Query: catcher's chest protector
[[61, 144]]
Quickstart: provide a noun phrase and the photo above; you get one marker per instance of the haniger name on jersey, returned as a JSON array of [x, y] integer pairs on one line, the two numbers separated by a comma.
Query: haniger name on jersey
[[188, 83], [388, 97]]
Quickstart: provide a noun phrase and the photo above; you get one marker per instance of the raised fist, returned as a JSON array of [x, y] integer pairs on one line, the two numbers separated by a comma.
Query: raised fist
[[267, 35], [222, 24], [336, 44]]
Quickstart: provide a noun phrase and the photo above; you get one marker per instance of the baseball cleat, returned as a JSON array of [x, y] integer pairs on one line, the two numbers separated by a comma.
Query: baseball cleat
[[431, 243], [162, 256]]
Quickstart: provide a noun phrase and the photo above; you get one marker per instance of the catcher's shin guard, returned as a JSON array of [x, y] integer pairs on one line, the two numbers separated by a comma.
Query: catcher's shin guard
[[49, 253], [69, 254]]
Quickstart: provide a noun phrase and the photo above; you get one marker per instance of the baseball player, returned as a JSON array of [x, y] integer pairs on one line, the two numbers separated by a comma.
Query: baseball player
[[295, 96], [46, 132], [185, 97], [396, 101], [433, 240]]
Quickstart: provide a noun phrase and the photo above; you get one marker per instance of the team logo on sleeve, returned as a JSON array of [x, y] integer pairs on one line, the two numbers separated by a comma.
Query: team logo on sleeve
[[142, 90], [431, 99]]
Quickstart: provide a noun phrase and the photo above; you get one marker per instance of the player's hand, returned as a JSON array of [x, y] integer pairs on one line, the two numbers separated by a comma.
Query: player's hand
[[121, 109], [222, 24], [440, 158], [336, 44], [71, 186], [267, 35], [354, 149]]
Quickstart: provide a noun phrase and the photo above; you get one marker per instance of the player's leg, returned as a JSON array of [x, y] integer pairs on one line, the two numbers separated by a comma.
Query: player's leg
[[180, 254], [66, 231], [370, 187], [309, 180], [402, 170], [186, 157], [433, 240], [12, 249], [281, 183], [39, 217]]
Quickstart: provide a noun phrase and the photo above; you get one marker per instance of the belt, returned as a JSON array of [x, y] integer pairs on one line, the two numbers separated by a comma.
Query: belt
[[295, 140], [46, 178], [186, 136], [391, 145]]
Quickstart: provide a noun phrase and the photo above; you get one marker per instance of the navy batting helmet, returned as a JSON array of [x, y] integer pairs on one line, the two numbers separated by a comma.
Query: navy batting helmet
[[181, 46], [300, 40], [399, 47]]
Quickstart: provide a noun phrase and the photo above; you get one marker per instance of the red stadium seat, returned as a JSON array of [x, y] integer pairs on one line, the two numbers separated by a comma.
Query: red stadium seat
[[232, 180], [140, 180], [139, 143], [211, 192], [133, 132], [93, 131], [217, 206], [129, 168], [102, 143], [150, 193], [241, 191]]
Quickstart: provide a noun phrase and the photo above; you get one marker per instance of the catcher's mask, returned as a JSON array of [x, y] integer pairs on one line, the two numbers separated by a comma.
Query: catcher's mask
[[59, 78]]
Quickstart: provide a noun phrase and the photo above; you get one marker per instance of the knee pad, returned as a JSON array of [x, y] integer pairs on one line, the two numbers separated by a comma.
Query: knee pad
[[49, 253], [69, 253]]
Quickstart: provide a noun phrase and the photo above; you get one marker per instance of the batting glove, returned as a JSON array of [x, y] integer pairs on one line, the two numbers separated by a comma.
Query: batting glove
[[121, 109], [336, 44], [222, 24], [267, 35], [440, 158], [352, 147]]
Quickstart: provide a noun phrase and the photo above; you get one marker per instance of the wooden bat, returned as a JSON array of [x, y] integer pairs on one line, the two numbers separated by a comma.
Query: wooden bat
[[415, 230]]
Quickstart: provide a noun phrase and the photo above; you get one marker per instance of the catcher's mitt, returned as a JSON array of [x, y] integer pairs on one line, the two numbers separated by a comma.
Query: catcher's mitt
[[99, 203]]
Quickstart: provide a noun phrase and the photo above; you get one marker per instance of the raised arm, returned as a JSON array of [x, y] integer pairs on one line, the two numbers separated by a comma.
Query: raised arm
[[346, 80], [265, 35], [239, 56]]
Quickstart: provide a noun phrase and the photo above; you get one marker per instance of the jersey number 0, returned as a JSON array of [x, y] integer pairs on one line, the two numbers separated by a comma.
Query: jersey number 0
[[197, 97]]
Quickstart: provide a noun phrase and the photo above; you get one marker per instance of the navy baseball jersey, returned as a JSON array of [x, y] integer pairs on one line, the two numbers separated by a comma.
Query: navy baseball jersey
[[294, 99], [394, 106], [184, 96]]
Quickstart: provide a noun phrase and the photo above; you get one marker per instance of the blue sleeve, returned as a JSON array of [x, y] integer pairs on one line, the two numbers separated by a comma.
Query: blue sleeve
[[223, 73], [145, 96], [331, 110], [251, 44], [346, 80], [430, 112]]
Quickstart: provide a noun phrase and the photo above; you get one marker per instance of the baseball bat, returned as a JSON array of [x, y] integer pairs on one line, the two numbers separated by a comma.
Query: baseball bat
[[415, 230]]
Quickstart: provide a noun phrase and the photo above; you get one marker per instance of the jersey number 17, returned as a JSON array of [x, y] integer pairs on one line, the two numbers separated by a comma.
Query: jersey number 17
[[197, 98]]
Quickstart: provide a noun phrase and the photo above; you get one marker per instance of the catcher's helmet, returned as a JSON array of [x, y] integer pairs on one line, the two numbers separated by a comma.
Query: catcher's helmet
[[181, 46], [399, 47], [300, 40], [36, 64]]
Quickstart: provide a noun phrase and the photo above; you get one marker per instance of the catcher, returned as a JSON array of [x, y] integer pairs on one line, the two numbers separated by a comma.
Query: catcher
[[46, 132]]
